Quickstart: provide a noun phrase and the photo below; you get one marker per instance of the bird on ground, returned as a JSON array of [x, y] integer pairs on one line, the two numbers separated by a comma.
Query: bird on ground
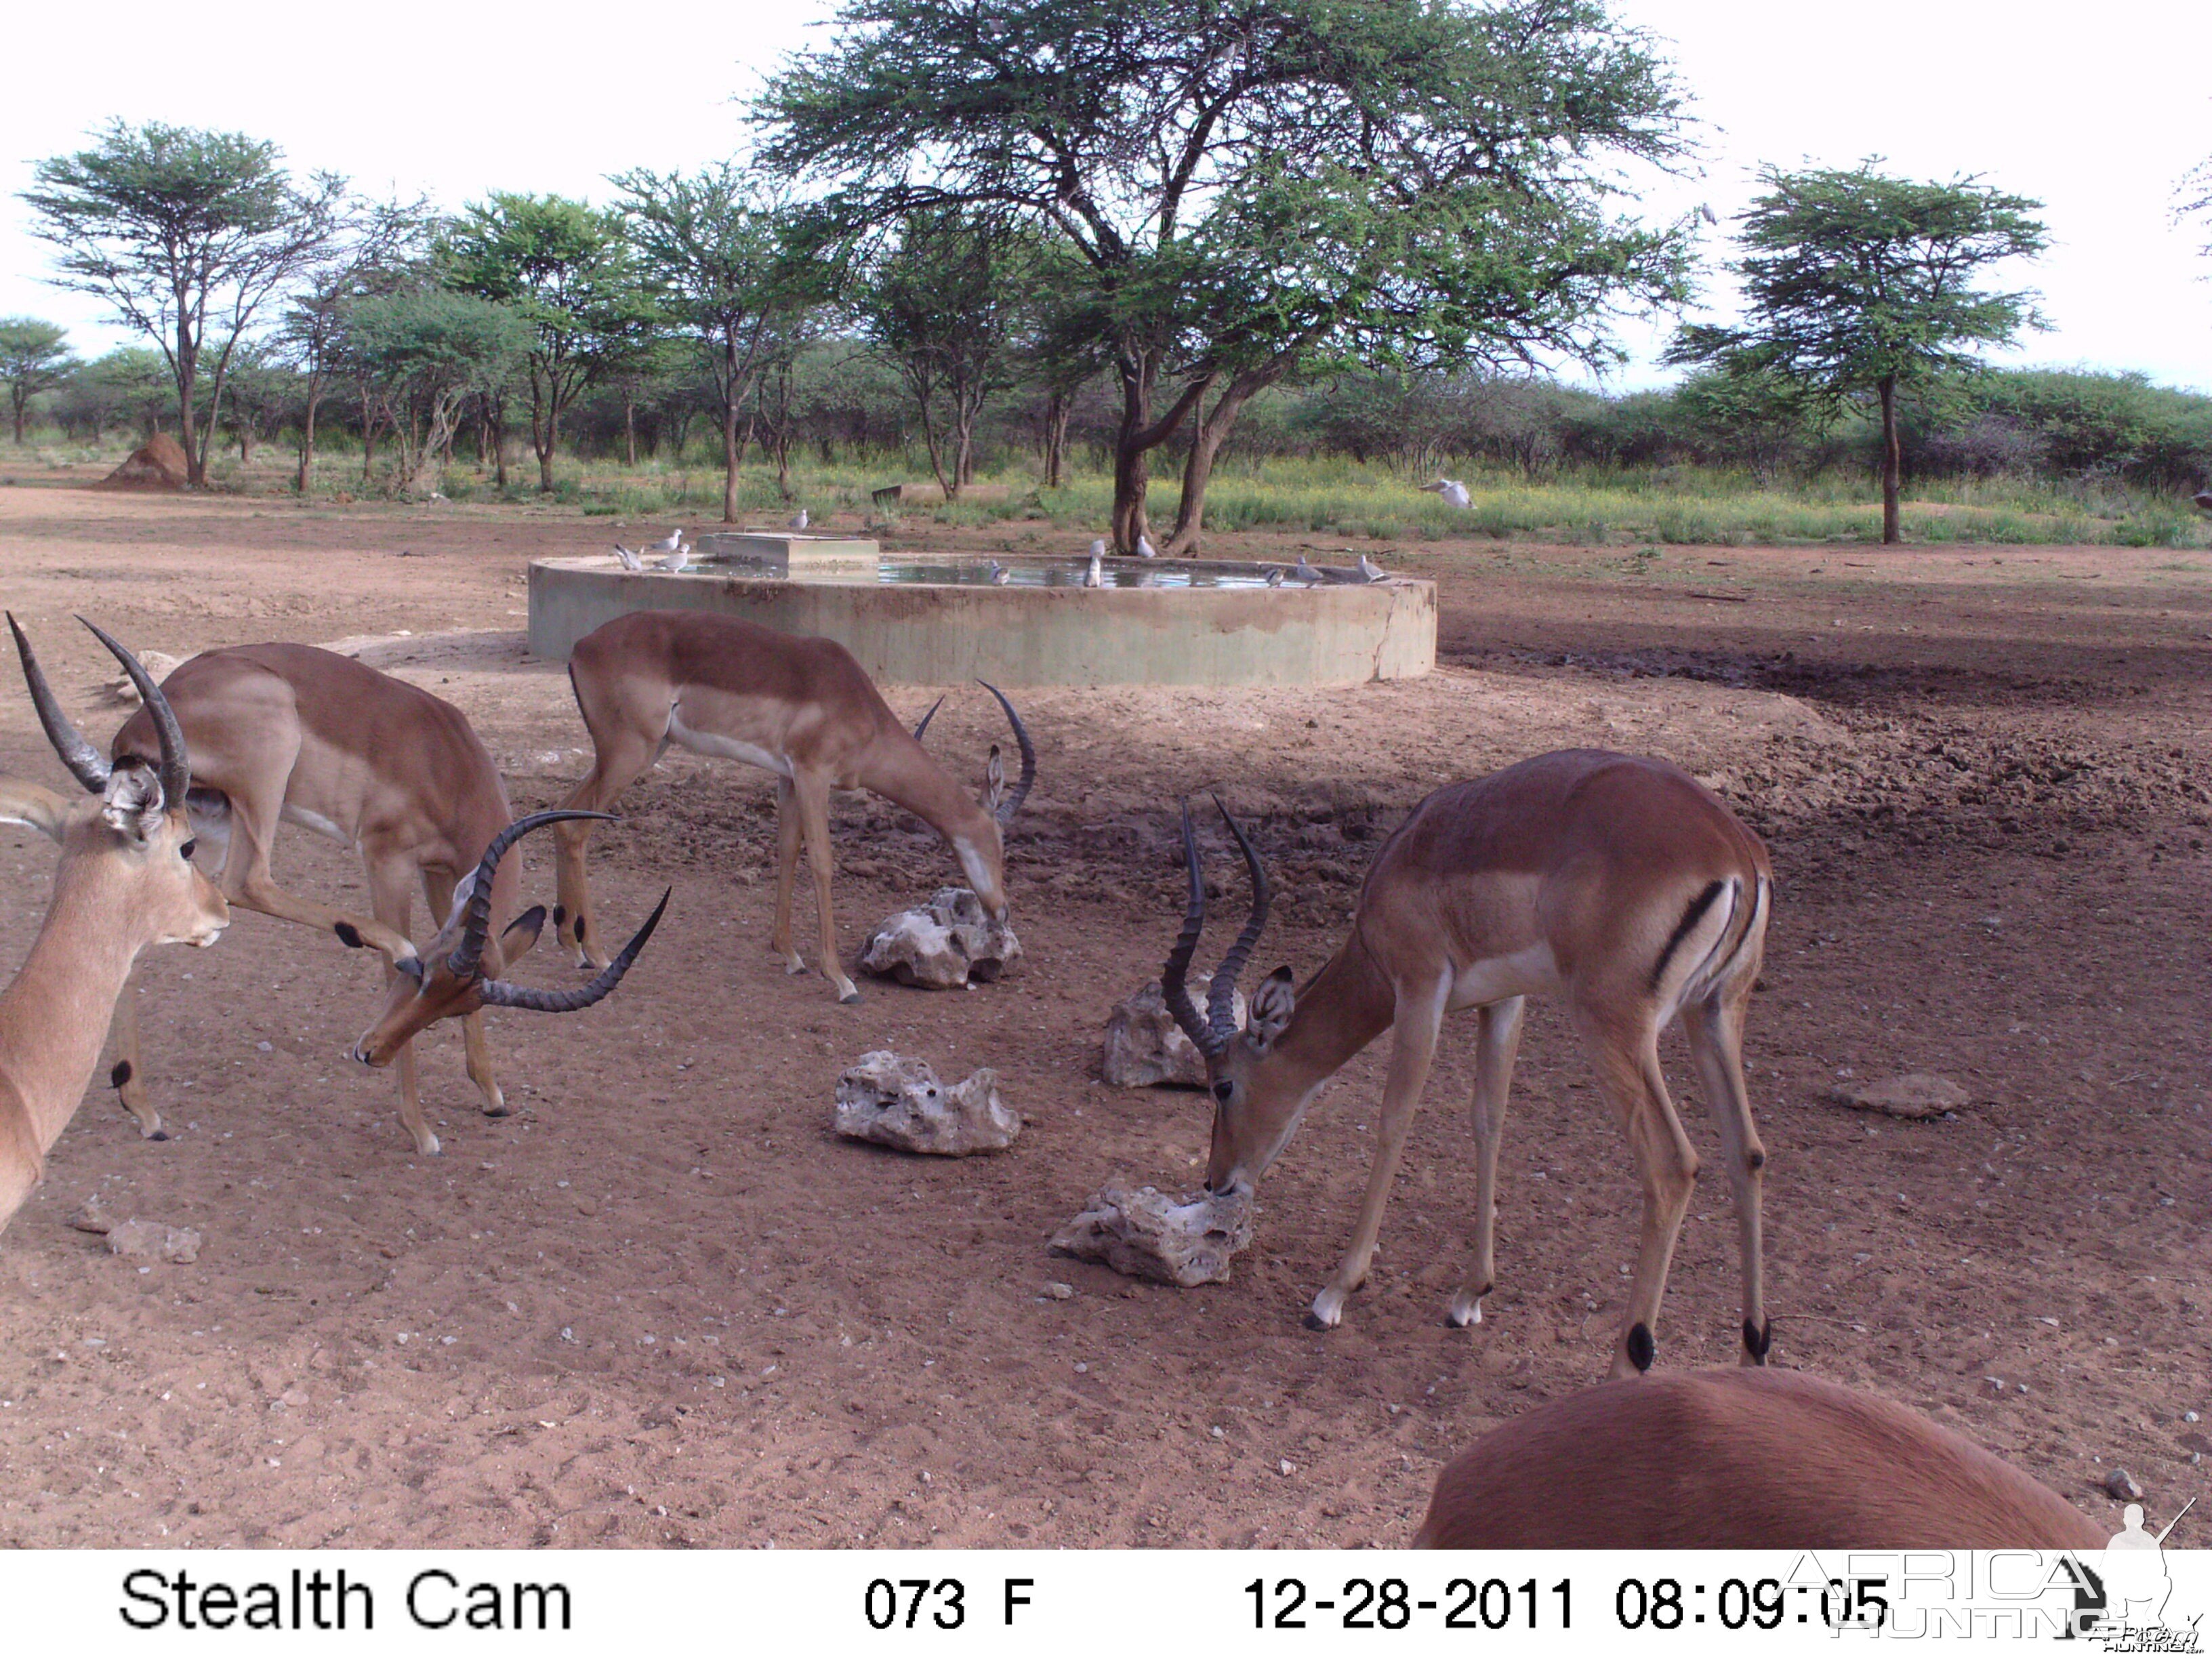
[[1000, 574], [800, 521], [1145, 548], [1372, 571], [1274, 575], [1095, 576], [676, 563], [630, 560], [1453, 491], [670, 543], [1308, 574], [1098, 548]]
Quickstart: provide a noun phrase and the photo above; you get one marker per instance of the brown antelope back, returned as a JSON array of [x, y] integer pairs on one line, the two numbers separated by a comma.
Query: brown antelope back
[[1741, 1459]]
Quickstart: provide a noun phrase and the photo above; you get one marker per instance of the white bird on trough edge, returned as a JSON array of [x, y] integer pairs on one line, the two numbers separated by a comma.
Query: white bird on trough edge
[[630, 560], [1095, 576], [1274, 575], [1145, 548], [676, 563], [1372, 571], [1098, 548], [1000, 574], [1453, 491], [1307, 573], [674, 540], [800, 522]]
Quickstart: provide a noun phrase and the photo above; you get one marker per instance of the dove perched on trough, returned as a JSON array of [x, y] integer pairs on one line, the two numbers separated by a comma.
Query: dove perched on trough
[[630, 560]]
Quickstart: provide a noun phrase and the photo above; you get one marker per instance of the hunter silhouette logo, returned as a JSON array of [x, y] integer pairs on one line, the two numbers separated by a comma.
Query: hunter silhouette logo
[[2122, 1599]]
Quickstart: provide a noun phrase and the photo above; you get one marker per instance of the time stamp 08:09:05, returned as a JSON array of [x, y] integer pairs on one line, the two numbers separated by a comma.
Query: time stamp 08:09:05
[[1495, 1604]]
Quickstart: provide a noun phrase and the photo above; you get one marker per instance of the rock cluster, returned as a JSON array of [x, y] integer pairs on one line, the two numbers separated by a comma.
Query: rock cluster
[[1145, 1047], [896, 1102], [1914, 1095], [1145, 1234], [947, 944], [147, 1241]]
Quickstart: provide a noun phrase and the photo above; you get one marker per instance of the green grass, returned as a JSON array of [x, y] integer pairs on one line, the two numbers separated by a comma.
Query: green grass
[[1331, 496]]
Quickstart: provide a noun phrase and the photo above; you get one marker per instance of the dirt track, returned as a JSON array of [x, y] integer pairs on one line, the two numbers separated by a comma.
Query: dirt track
[[662, 1304]]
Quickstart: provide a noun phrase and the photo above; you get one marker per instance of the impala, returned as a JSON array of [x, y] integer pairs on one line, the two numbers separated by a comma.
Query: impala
[[798, 707], [1617, 883], [1737, 1459], [294, 733], [126, 882]]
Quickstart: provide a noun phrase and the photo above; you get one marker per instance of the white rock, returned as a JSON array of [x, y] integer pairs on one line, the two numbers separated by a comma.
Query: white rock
[[151, 1240], [1145, 1047], [1146, 1235], [159, 664], [947, 944], [896, 1102]]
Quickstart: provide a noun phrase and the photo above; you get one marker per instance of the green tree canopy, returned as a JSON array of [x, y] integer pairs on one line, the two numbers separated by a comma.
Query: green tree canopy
[[1253, 187], [187, 234], [566, 268], [34, 357], [428, 350], [1855, 284], [716, 249]]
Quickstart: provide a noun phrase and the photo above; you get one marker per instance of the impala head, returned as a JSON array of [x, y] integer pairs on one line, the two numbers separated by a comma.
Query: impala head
[[448, 979], [1256, 1104], [140, 828], [982, 853]]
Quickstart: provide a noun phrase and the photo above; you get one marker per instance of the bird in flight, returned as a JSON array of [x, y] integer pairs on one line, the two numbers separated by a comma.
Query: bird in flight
[[1453, 491]]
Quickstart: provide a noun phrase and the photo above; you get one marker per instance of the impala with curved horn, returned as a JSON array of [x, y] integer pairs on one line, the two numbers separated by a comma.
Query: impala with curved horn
[[292, 733], [795, 706], [1617, 883], [448, 980], [125, 881]]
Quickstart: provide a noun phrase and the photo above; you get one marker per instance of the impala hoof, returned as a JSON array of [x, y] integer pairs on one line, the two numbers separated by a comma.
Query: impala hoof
[[850, 997], [498, 1109], [1465, 1312], [428, 1146], [156, 1134], [1314, 1321]]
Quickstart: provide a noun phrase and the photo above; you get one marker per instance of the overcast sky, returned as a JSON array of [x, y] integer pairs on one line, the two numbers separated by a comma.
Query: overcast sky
[[2098, 119]]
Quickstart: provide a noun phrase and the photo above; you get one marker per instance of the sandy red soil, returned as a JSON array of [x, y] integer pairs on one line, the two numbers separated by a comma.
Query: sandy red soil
[[663, 1304]]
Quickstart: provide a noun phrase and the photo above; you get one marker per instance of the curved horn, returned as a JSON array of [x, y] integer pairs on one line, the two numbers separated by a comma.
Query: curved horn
[[1221, 994], [926, 719], [86, 764], [176, 761], [500, 994], [468, 955], [1173, 990], [1013, 804]]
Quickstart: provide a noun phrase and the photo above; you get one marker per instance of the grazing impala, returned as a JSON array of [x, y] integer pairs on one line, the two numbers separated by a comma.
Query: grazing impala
[[1737, 1459], [1617, 883], [125, 881], [800, 708], [289, 733]]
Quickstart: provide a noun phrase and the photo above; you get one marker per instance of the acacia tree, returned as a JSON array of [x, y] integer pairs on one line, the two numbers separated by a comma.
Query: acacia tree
[[944, 303], [1856, 284], [1254, 186], [34, 357], [187, 234], [716, 247], [426, 352], [565, 268], [375, 248]]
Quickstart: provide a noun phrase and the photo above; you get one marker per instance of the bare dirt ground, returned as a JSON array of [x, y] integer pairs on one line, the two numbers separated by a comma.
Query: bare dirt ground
[[662, 1304]]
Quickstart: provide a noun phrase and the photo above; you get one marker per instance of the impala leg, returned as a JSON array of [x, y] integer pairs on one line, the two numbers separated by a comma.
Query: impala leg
[[127, 1076], [248, 884], [787, 874], [1413, 1051], [389, 894], [438, 887], [1715, 1030], [814, 807], [1497, 1043], [620, 758], [1626, 1053]]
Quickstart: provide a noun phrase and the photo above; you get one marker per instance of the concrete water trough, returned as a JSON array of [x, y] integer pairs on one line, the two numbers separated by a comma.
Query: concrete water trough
[[936, 619]]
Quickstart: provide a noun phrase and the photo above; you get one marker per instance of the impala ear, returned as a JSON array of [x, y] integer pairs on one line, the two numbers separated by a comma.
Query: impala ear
[[1273, 1005], [520, 938], [994, 781], [134, 805]]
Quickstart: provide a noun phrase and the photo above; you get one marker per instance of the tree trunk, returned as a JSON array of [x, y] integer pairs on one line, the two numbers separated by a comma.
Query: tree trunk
[[1213, 430], [630, 429], [1136, 438], [1058, 406], [16, 393], [305, 481], [1892, 463], [731, 452]]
